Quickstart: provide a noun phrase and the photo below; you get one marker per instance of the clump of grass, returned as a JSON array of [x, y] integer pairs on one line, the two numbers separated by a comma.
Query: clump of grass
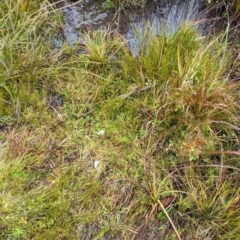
[[101, 47], [24, 59], [214, 198], [189, 96]]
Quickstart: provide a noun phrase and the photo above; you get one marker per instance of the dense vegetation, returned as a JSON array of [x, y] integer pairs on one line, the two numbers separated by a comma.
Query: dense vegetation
[[232, 7], [105, 145]]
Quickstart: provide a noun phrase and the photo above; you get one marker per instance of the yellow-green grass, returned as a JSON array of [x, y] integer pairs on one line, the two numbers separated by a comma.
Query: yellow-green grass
[[143, 147]]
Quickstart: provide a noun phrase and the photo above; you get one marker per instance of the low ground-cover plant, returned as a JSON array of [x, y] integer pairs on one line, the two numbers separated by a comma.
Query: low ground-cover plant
[[144, 147]]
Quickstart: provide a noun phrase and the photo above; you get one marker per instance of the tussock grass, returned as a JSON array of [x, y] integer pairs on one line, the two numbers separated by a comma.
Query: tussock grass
[[25, 63], [144, 147]]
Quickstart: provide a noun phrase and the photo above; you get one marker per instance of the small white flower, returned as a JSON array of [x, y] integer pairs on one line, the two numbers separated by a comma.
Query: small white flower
[[97, 165], [100, 133]]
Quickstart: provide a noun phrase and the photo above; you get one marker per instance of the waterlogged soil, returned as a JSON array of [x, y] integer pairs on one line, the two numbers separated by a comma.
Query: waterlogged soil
[[88, 15]]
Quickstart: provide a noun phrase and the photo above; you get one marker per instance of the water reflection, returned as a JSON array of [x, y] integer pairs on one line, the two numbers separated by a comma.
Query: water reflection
[[89, 15]]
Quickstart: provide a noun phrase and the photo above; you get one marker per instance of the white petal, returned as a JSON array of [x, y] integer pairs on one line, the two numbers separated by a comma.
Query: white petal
[[101, 133]]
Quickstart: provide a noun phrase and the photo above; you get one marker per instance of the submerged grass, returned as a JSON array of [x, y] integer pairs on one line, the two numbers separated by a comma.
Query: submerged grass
[[143, 147]]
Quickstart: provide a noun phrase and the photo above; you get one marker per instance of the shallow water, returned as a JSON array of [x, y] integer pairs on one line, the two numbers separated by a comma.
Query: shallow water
[[87, 15]]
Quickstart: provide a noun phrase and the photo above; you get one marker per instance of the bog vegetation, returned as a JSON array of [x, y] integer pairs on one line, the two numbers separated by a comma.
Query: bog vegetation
[[107, 145]]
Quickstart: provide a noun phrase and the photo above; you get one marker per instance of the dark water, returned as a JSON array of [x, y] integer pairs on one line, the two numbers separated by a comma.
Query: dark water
[[87, 15]]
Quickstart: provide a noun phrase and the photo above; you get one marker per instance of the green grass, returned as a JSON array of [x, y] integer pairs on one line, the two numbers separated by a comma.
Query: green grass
[[143, 147]]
